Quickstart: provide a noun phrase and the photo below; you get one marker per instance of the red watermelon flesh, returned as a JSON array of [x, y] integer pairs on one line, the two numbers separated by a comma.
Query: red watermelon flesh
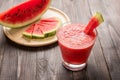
[[96, 20], [94, 23], [28, 32], [37, 32], [24, 13], [45, 27], [49, 26], [52, 19]]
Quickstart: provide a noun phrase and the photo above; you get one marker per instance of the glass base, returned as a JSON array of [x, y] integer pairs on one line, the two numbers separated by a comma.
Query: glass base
[[73, 67]]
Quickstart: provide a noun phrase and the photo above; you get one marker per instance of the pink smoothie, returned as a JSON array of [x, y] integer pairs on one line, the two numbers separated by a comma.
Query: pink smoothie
[[75, 45]]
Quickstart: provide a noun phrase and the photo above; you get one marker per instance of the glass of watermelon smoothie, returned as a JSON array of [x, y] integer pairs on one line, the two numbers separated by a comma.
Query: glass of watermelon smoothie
[[76, 44]]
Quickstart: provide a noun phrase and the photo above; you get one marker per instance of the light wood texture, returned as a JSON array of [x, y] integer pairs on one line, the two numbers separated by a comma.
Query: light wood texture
[[44, 63]]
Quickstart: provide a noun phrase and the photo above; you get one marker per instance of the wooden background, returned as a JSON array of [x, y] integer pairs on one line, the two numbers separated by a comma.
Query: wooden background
[[44, 63]]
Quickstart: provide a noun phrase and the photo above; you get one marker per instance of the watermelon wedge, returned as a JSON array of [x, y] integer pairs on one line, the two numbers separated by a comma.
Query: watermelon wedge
[[24, 13], [49, 26], [94, 22], [43, 28], [37, 32]]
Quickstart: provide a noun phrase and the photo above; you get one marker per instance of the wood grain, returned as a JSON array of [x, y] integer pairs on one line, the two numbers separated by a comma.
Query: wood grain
[[107, 43], [49, 64], [28, 66], [45, 63], [9, 64], [8, 59]]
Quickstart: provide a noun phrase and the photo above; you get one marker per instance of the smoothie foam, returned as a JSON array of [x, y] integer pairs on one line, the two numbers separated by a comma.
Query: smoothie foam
[[73, 37]]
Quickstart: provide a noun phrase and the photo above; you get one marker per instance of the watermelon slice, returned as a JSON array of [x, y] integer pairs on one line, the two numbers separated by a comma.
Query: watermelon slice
[[43, 28], [49, 26], [96, 20], [24, 13]]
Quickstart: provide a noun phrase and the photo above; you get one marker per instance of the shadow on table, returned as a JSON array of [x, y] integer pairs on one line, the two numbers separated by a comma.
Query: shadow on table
[[88, 73], [31, 48]]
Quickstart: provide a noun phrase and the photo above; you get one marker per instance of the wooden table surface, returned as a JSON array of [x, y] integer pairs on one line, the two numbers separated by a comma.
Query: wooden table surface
[[44, 63]]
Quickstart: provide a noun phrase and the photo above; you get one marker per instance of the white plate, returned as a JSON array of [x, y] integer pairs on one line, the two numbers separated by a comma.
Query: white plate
[[16, 34]]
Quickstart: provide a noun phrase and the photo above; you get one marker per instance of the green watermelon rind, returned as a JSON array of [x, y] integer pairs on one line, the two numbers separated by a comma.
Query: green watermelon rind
[[36, 36], [50, 33], [26, 34], [53, 31], [45, 34], [18, 25], [99, 17]]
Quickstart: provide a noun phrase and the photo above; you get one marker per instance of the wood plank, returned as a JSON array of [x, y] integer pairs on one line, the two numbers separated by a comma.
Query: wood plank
[[41, 64], [74, 9], [2, 40], [49, 66], [107, 43], [2, 48], [27, 65], [57, 4], [9, 64], [99, 69], [4, 5], [113, 9], [8, 58], [18, 2], [116, 39]]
